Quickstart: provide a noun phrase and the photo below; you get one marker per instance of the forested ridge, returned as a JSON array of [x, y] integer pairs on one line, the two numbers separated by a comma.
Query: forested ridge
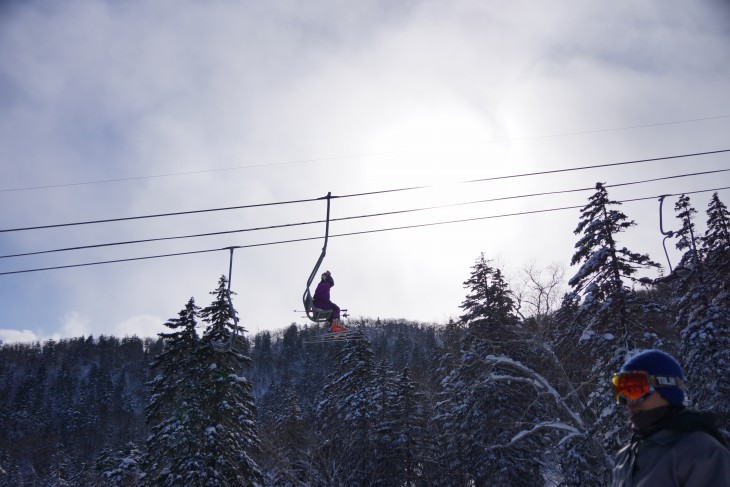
[[514, 392]]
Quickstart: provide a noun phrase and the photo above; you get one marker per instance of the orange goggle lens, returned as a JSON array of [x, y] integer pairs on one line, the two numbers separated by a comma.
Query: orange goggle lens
[[631, 385]]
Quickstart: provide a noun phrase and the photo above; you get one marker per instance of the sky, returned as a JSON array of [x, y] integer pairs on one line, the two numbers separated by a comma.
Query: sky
[[115, 110]]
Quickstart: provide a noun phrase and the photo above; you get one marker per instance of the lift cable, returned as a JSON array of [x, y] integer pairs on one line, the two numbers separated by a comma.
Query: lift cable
[[495, 178], [389, 213], [552, 171], [404, 227], [158, 215]]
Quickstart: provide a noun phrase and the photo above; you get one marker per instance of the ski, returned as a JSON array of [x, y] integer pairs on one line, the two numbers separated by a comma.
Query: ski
[[337, 336]]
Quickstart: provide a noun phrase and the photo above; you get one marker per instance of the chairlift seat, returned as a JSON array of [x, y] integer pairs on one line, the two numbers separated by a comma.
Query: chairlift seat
[[318, 315], [321, 314]]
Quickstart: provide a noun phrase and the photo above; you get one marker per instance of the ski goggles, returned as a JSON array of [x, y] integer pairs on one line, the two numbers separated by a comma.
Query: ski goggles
[[635, 386]]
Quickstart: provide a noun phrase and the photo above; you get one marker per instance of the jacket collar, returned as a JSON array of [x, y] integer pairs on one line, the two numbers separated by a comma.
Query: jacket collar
[[681, 420]]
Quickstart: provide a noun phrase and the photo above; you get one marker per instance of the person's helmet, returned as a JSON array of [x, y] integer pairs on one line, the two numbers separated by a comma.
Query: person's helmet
[[326, 275]]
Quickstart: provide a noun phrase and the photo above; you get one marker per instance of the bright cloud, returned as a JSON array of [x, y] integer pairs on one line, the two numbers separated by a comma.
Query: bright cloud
[[142, 326], [14, 336]]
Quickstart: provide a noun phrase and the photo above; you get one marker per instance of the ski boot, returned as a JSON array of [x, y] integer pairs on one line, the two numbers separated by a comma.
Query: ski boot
[[336, 327]]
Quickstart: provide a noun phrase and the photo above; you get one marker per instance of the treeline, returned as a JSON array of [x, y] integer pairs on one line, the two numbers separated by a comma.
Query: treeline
[[514, 392], [64, 402]]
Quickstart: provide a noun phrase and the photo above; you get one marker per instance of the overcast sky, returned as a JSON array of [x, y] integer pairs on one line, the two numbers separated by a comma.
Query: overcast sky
[[113, 109]]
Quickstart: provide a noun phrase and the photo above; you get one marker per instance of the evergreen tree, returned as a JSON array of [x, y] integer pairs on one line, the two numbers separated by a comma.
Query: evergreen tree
[[612, 319], [684, 288], [293, 466], [488, 304], [685, 213], [346, 415], [409, 431], [222, 332], [484, 403], [202, 410], [119, 468], [384, 429], [715, 246], [262, 354], [496, 418], [705, 318], [225, 399], [171, 412]]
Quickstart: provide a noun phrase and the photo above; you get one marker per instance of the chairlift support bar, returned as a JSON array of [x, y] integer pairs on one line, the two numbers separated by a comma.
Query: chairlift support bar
[[324, 248], [228, 293]]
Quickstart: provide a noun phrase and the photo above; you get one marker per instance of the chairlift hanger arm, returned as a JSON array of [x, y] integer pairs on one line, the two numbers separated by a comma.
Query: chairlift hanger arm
[[231, 341], [326, 239]]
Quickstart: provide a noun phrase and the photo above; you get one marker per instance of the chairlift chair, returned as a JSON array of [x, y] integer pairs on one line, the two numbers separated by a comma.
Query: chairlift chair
[[315, 314], [681, 271]]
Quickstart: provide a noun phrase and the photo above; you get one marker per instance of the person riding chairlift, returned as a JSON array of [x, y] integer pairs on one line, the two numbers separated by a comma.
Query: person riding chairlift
[[322, 300]]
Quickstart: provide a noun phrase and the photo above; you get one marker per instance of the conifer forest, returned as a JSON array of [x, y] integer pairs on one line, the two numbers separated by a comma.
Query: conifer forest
[[514, 392]]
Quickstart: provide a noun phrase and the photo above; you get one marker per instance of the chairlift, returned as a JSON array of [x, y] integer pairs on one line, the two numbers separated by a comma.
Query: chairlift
[[319, 315], [681, 271], [315, 314]]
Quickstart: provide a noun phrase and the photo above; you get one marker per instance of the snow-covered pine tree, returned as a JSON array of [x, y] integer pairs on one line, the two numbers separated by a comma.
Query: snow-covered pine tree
[[384, 426], [450, 350], [346, 415], [225, 399], [686, 241], [119, 468], [202, 410], [686, 288], [488, 398], [716, 246], [292, 463], [605, 270], [488, 306], [409, 431], [173, 363], [705, 314], [221, 333], [612, 320], [172, 412]]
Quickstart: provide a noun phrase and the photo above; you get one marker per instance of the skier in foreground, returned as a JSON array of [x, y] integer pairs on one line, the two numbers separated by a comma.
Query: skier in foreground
[[322, 300], [671, 444]]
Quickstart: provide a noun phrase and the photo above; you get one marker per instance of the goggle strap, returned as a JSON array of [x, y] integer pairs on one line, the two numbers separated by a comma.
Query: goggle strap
[[665, 381]]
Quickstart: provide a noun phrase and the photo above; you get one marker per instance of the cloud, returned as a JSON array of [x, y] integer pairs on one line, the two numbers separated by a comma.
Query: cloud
[[143, 326], [17, 336], [73, 325]]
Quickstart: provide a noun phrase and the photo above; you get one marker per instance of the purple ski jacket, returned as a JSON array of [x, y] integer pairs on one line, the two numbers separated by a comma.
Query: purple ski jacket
[[321, 297]]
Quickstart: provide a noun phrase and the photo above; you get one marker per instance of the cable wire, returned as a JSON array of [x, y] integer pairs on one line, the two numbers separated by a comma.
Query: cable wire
[[389, 213], [495, 178], [158, 215], [552, 171], [405, 227]]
